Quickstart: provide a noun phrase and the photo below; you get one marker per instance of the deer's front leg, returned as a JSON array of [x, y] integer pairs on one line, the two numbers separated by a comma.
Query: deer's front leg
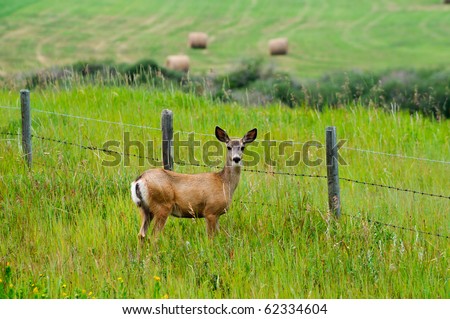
[[212, 225]]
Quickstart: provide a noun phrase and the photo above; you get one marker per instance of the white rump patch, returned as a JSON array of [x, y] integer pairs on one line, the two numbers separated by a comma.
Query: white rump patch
[[142, 190], [134, 197]]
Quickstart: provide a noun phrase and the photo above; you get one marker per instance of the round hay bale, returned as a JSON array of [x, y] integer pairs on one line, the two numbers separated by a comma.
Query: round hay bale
[[178, 62], [278, 46], [198, 40]]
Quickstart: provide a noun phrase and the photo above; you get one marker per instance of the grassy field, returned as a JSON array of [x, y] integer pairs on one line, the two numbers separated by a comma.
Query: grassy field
[[324, 35], [69, 228]]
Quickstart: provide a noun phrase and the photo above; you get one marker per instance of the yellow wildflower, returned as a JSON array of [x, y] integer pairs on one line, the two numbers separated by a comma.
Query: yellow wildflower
[[64, 286], [83, 291], [64, 295], [35, 290], [41, 275], [11, 285], [90, 293], [1, 280], [166, 296], [157, 278]]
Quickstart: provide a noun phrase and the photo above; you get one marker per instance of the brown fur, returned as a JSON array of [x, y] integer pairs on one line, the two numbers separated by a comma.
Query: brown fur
[[205, 195]]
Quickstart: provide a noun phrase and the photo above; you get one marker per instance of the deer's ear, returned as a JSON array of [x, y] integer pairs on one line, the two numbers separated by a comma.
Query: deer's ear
[[250, 136], [222, 135]]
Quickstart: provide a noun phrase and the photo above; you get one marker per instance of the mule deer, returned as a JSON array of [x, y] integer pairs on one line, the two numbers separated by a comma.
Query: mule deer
[[159, 193]]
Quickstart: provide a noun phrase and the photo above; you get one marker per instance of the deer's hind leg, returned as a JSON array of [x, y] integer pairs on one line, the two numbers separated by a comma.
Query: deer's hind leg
[[162, 212], [146, 217]]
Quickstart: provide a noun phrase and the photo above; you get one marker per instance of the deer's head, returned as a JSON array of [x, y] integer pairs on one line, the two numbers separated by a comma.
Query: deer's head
[[235, 147]]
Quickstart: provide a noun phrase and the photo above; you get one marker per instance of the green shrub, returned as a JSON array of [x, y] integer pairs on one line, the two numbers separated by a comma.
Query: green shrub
[[248, 72], [425, 91]]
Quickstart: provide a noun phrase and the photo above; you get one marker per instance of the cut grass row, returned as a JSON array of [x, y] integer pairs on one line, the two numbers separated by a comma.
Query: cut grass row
[[324, 36]]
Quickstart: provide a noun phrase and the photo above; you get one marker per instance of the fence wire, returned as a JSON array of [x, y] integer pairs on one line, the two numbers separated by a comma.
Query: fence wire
[[370, 220], [128, 124], [395, 155], [94, 148], [394, 188], [212, 135], [10, 134], [97, 120], [283, 173]]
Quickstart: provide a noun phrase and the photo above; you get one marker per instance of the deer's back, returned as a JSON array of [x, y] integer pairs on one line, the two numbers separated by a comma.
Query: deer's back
[[187, 195]]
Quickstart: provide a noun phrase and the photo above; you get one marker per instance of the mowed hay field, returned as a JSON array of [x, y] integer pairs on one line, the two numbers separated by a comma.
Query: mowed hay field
[[69, 228], [323, 35]]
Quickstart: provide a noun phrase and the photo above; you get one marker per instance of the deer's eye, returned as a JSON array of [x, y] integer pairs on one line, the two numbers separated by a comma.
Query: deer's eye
[[242, 148], [229, 148]]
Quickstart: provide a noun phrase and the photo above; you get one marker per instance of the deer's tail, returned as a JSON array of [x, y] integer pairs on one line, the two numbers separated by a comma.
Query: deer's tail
[[139, 192]]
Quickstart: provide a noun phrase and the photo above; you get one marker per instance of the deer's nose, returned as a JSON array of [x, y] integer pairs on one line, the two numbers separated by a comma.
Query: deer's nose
[[236, 159]]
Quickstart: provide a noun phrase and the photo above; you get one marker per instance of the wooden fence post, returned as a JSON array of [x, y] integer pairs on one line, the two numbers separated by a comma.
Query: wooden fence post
[[334, 196], [167, 138], [26, 125]]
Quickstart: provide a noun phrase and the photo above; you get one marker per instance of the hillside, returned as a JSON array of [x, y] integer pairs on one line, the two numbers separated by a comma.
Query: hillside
[[324, 36]]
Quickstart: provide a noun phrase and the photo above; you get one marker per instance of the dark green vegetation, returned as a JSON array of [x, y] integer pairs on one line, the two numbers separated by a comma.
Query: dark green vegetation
[[426, 91]]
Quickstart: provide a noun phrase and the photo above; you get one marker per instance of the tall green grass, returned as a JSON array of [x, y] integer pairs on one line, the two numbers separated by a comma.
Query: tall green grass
[[69, 228]]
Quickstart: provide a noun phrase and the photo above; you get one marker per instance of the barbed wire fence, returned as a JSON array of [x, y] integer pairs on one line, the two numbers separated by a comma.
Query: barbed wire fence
[[334, 203], [108, 151], [212, 135], [94, 148]]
